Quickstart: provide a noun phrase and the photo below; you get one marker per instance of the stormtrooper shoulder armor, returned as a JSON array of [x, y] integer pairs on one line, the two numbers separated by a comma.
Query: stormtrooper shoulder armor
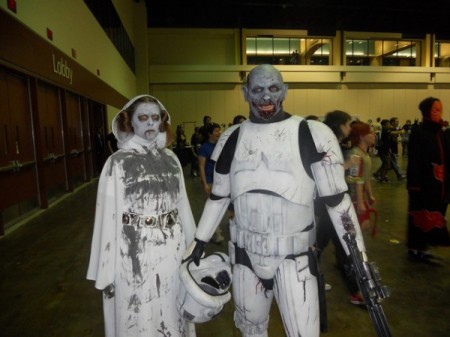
[[328, 173], [222, 141]]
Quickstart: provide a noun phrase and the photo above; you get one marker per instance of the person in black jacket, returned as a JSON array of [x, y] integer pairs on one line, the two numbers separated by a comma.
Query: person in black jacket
[[428, 175]]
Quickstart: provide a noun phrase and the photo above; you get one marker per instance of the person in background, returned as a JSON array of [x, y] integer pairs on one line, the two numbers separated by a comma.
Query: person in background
[[203, 129], [384, 152], [196, 140], [100, 149], [377, 130], [394, 132], [180, 148], [312, 118], [143, 223], [112, 143], [406, 128], [428, 182], [206, 167], [362, 138], [238, 119]]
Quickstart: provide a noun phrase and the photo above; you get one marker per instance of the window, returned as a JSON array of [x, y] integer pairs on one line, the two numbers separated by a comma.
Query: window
[[442, 53], [288, 50], [381, 52]]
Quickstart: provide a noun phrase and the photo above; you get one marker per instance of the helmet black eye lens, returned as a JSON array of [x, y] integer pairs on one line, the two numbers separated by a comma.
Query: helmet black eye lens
[[210, 281]]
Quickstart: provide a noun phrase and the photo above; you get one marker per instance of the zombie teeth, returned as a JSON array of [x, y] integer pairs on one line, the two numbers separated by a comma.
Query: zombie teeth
[[266, 107]]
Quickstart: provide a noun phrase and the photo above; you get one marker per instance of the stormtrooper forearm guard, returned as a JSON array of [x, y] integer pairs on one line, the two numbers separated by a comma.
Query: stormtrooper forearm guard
[[210, 219], [212, 215], [345, 220]]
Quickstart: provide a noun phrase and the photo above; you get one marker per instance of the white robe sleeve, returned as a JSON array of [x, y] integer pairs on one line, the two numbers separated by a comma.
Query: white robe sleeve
[[103, 250]]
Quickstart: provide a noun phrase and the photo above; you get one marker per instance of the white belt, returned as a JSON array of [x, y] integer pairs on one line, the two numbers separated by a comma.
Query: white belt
[[269, 244]]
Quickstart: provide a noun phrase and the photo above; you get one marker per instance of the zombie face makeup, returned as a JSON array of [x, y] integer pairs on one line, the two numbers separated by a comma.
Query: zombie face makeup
[[146, 121], [265, 92], [436, 112]]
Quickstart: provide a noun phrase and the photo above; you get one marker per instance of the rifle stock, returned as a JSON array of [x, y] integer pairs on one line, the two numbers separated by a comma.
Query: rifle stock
[[369, 282]]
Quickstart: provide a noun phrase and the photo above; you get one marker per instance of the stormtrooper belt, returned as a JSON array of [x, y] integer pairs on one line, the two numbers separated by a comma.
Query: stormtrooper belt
[[268, 244], [162, 221]]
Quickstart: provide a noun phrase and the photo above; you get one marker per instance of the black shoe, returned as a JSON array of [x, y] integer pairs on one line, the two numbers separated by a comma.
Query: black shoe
[[423, 257]]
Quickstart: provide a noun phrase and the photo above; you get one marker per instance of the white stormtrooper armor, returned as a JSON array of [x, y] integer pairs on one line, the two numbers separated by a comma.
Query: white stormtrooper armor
[[273, 225], [270, 168]]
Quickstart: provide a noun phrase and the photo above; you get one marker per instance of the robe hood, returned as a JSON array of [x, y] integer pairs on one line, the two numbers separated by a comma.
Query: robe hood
[[123, 137]]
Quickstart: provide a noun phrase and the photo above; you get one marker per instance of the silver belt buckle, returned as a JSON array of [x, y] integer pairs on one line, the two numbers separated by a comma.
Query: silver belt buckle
[[150, 221], [130, 219], [168, 220]]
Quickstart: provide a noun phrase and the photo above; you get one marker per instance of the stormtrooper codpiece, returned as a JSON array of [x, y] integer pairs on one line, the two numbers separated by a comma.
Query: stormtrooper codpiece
[[271, 172]]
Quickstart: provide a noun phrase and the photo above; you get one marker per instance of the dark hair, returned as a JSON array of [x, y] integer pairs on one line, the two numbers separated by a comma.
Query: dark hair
[[312, 118], [210, 128], [205, 118], [426, 104], [384, 122], [335, 119], [237, 119], [393, 119]]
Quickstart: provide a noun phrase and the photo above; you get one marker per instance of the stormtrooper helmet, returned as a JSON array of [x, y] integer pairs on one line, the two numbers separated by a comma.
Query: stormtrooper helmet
[[204, 288]]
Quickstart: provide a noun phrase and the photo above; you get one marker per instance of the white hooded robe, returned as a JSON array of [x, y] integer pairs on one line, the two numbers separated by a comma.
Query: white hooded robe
[[140, 261]]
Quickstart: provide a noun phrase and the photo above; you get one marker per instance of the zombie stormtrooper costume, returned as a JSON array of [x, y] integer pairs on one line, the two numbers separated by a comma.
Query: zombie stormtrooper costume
[[270, 167], [143, 224]]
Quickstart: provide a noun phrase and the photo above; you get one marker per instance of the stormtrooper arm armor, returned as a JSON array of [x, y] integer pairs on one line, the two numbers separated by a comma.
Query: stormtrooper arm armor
[[344, 219], [212, 215], [329, 176], [218, 202]]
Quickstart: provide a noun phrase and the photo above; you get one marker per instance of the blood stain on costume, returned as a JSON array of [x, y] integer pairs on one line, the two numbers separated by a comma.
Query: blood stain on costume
[[158, 285], [133, 249], [347, 221], [163, 330], [145, 175], [279, 135], [135, 303]]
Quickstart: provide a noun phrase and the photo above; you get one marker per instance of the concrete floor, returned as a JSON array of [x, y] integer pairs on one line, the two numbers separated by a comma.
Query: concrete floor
[[44, 292]]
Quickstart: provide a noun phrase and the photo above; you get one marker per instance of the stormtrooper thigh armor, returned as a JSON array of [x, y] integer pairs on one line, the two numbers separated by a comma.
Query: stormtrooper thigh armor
[[295, 290], [276, 244]]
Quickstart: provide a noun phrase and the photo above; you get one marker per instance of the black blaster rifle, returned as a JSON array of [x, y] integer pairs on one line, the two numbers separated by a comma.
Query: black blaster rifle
[[368, 278]]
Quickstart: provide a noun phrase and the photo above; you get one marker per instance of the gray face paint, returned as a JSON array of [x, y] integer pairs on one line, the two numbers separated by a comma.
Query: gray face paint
[[146, 121], [265, 92]]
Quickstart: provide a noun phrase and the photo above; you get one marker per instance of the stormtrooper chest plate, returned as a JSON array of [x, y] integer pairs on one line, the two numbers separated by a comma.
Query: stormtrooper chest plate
[[267, 157]]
